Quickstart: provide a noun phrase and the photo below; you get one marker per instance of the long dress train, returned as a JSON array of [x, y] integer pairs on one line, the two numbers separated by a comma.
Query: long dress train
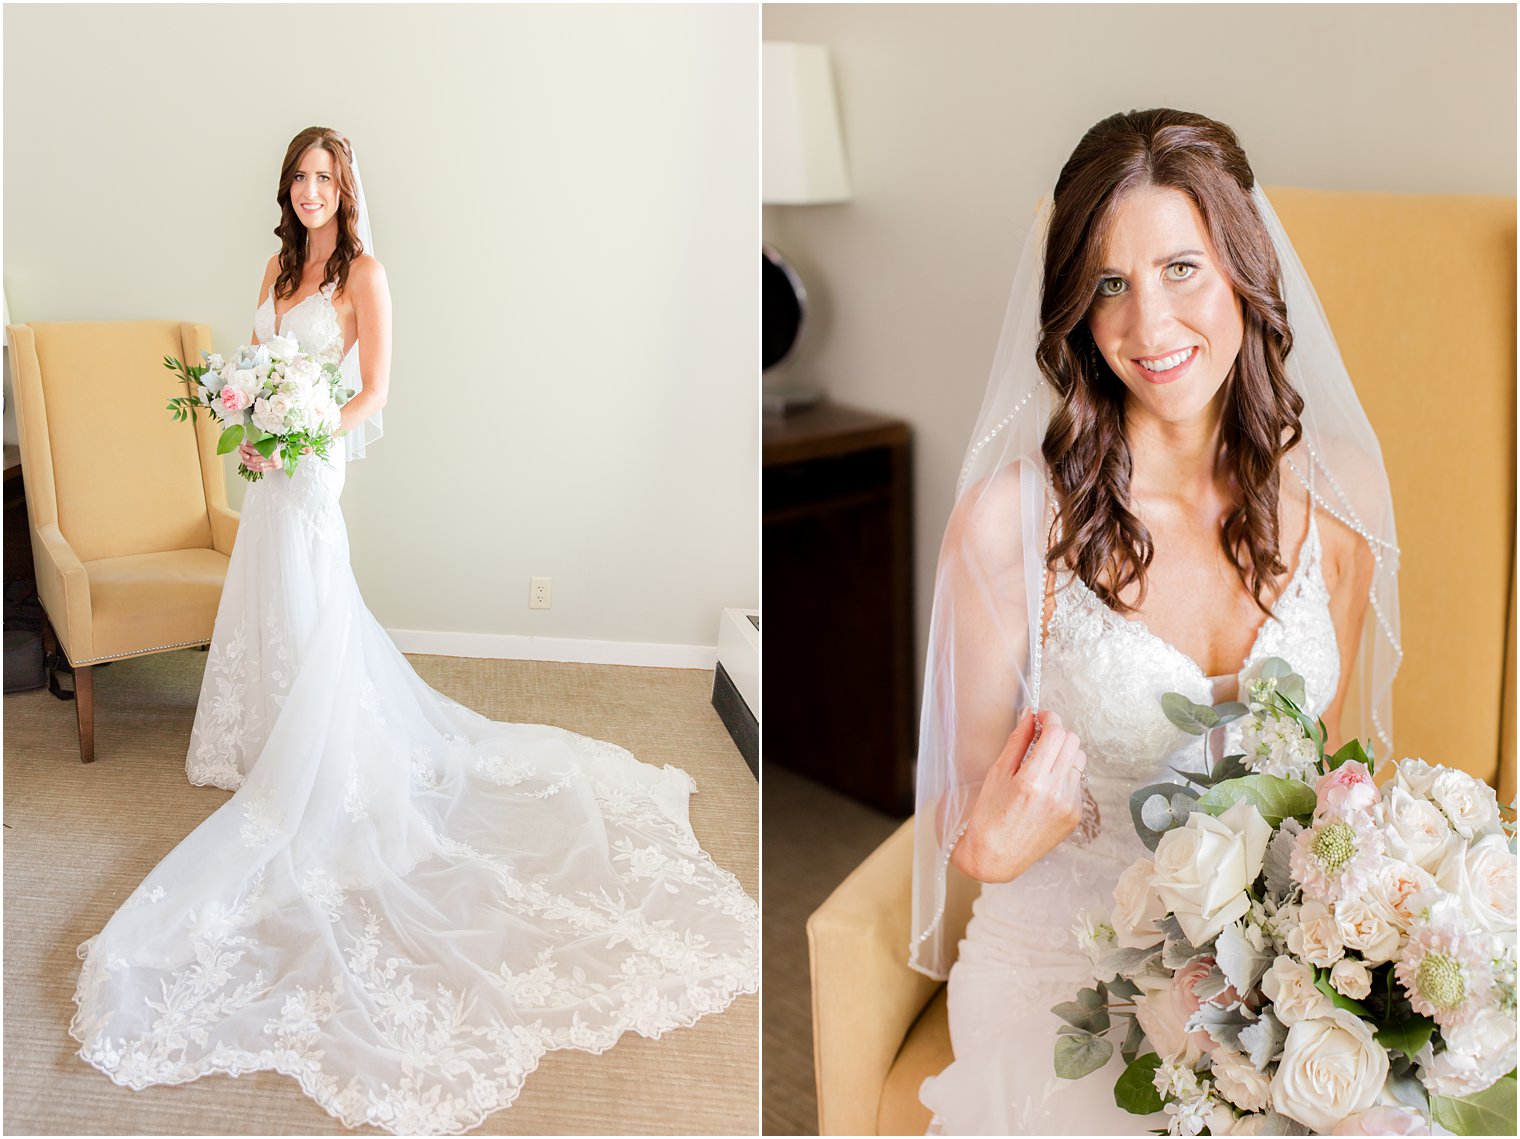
[[405, 904]]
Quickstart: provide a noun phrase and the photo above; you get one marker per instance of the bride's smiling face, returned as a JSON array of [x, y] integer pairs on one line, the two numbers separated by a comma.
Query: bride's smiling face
[[1165, 316], [314, 189]]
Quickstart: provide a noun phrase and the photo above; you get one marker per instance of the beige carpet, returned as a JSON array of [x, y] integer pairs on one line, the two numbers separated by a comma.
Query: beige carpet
[[79, 838], [814, 837]]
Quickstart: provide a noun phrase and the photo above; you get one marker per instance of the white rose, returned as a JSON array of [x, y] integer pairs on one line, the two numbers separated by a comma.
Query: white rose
[[1364, 924], [1137, 908], [1237, 1079], [265, 420], [1331, 1068], [1351, 978], [1289, 985], [1415, 829], [1477, 1053], [281, 347], [1204, 867], [1316, 938], [1470, 804], [1483, 876], [1395, 886], [1415, 776]]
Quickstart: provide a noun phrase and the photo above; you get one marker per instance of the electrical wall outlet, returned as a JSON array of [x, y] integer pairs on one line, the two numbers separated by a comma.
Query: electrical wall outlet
[[538, 593]]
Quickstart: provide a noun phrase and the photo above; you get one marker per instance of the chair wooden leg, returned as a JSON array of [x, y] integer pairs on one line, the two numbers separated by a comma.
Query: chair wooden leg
[[84, 704]]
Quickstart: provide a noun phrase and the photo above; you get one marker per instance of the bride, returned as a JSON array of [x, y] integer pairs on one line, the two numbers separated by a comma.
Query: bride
[[1171, 481], [404, 905]]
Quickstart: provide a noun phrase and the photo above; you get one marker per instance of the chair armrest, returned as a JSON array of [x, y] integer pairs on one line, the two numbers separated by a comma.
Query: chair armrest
[[64, 589], [865, 996], [224, 527]]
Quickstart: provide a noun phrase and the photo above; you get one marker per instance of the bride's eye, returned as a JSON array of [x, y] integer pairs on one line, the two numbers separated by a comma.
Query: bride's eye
[[1110, 286], [1188, 266]]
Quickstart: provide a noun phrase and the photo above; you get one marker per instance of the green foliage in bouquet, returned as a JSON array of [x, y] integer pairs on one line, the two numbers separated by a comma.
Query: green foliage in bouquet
[[184, 408]]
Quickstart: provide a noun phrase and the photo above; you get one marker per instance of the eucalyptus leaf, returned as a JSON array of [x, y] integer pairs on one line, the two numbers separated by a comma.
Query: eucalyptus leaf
[[1080, 1053], [1150, 836], [1135, 1091], [1275, 668], [1490, 1112], [231, 437], [1182, 806], [1123, 988], [1195, 719], [1156, 813], [1276, 798], [1292, 687], [1088, 1012], [1408, 1036], [1134, 1040], [1231, 710]]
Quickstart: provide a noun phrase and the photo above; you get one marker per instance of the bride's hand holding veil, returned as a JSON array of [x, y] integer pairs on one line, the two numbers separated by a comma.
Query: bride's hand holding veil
[[1030, 801]]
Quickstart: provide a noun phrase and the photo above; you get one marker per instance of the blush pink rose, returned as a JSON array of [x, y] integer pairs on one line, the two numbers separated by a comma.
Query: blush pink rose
[[233, 399], [1347, 789]]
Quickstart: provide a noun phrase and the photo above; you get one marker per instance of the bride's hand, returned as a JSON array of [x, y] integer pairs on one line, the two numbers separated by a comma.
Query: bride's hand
[[255, 461], [1029, 803]]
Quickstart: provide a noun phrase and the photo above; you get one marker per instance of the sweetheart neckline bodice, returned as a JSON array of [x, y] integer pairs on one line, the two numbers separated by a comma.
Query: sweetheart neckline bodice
[[280, 319], [1309, 555]]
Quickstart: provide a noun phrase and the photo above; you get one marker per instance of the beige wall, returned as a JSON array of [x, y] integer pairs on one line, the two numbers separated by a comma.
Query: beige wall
[[957, 118], [564, 200]]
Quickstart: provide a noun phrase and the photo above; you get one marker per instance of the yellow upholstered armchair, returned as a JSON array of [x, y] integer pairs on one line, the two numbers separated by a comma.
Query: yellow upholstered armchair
[[131, 533], [1421, 293]]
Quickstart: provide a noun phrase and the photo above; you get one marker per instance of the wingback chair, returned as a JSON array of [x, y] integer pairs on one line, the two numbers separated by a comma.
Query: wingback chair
[[131, 533], [1421, 293]]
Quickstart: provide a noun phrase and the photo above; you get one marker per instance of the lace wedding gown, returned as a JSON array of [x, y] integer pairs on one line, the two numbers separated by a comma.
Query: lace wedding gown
[[404, 905], [1104, 674]]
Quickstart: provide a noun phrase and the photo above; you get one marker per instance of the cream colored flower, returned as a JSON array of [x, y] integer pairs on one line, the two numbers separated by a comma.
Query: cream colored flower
[[1351, 978], [1483, 877], [1414, 828], [1204, 867], [1368, 927], [1317, 937], [1470, 804], [1289, 985], [1137, 907], [1237, 1079], [1331, 1068]]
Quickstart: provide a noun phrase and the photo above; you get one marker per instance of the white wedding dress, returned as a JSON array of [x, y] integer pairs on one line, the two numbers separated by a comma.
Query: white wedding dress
[[404, 905], [1105, 675]]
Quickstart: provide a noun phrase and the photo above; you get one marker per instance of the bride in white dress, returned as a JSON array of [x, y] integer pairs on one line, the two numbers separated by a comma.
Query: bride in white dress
[[1171, 481], [404, 905]]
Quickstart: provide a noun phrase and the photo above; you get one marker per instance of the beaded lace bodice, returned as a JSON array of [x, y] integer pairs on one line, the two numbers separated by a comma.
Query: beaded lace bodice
[[1105, 673], [314, 326]]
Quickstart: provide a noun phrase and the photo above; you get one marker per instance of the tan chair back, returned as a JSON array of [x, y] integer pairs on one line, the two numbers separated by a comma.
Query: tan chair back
[[1420, 291], [101, 455]]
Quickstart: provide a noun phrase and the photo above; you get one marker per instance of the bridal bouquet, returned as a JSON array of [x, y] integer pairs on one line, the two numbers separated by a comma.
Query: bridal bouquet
[[273, 396], [1307, 952]]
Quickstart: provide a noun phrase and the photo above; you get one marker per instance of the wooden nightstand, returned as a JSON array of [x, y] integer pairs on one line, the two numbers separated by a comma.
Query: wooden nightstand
[[839, 700]]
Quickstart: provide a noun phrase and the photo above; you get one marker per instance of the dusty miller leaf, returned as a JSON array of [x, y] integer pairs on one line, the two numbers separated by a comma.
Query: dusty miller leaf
[[1263, 1041], [1239, 957], [1275, 865]]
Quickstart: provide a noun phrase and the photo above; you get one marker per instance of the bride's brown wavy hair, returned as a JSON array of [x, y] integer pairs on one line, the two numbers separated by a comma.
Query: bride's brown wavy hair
[[292, 231], [1085, 447]]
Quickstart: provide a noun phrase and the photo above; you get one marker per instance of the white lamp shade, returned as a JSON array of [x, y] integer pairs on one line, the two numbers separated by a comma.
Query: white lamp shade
[[803, 154]]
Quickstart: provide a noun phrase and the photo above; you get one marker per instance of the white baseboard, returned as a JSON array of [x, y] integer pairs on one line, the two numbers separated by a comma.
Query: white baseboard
[[506, 646]]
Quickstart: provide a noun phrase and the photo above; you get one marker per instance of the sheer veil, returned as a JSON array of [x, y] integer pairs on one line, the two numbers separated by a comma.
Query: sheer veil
[[372, 428], [983, 663]]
